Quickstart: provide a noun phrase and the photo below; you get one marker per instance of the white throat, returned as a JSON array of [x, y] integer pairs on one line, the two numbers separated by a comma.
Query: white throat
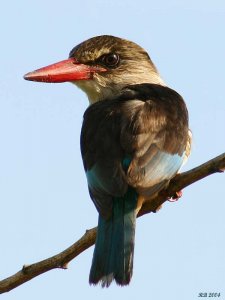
[[98, 88]]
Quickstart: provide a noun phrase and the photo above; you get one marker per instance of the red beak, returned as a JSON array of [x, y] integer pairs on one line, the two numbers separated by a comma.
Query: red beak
[[66, 70]]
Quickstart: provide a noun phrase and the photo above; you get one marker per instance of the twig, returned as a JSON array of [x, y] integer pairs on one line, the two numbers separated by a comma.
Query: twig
[[62, 259], [180, 181]]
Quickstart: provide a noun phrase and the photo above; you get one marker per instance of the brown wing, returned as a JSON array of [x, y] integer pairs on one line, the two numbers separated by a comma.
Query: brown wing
[[137, 139]]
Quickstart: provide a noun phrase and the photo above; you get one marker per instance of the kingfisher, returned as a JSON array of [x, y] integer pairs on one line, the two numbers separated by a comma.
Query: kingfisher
[[134, 139]]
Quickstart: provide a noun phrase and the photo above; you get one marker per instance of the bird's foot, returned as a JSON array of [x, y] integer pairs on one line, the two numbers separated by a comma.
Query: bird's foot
[[175, 197]]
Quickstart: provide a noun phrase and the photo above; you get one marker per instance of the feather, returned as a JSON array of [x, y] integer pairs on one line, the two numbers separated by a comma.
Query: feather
[[114, 247], [131, 146]]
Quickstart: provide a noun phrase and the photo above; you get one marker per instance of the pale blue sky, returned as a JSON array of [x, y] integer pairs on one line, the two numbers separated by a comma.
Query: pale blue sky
[[45, 205]]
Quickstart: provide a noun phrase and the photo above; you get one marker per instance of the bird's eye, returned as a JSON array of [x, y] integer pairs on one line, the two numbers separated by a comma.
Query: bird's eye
[[111, 60]]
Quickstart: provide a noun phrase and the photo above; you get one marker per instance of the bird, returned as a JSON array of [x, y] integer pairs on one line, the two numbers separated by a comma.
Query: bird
[[135, 137]]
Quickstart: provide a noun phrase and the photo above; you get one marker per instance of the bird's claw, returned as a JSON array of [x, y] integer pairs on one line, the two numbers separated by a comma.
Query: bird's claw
[[175, 197]]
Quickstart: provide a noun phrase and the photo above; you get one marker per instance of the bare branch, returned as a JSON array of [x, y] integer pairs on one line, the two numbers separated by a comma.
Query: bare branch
[[62, 259], [180, 181]]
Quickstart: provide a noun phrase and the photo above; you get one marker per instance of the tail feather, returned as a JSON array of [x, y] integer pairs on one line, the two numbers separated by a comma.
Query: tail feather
[[114, 248]]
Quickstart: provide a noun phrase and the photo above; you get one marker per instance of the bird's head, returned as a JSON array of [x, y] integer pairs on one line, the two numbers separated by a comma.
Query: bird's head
[[101, 67]]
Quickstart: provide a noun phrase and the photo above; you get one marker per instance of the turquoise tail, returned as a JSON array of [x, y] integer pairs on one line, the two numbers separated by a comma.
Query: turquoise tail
[[114, 247]]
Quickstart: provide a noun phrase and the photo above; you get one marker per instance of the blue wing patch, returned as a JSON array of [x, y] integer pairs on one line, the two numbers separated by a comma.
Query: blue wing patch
[[163, 166], [99, 179], [155, 173]]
